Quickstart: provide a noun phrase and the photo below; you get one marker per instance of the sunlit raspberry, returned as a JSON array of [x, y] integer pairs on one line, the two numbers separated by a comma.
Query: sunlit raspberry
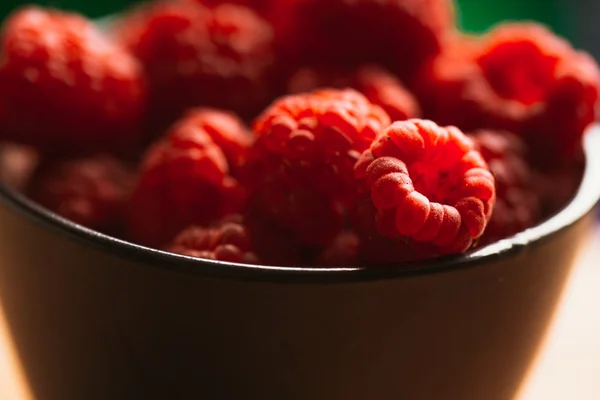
[[184, 180], [520, 78], [66, 89], [194, 55], [301, 166], [429, 184]]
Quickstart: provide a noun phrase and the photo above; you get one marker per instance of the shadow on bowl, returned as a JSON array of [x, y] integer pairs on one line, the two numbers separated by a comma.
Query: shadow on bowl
[[97, 318]]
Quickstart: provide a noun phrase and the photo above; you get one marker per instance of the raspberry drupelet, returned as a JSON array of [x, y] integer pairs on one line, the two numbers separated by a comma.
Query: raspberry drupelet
[[194, 55], [520, 78], [91, 191], [184, 180], [227, 240], [300, 170], [378, 85], [227, 130], [517, 205], [398, 34], [428, 184], [65, 88]]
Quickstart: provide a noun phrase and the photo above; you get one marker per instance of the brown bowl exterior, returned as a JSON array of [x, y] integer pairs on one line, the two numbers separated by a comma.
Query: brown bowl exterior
[[95, 318]]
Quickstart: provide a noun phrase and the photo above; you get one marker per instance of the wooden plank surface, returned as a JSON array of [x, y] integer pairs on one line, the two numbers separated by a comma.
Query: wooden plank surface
[[567, 368]]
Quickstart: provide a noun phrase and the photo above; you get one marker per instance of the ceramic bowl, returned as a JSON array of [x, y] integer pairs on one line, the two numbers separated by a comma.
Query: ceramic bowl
[[98, 318]]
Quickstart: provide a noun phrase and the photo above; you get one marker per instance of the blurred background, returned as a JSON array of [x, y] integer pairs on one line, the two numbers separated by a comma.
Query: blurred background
[[574, 19]]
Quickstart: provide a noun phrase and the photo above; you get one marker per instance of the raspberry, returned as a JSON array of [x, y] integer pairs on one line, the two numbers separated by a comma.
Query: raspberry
[[218, 57], [379, 86], [342, 252], [301, 166], [17, 164], [376, 250], [226, 130], [399, 34], [520, 78], [184, 181], [517, 205], [89, 191], [65, 88], [320, 135], [429, 184], [228, 240]]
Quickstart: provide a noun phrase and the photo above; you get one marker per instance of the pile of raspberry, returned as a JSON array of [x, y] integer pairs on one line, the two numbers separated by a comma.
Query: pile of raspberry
[[293, 133]]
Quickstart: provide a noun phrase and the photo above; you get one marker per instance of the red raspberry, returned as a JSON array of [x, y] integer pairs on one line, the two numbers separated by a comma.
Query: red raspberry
[[17, 164], [520, 78], [301, 166], [400, 34], [226, 130], [375, 249], [65, 88], [319, 136], [184, 181], [379, 86], [429, 184], [517, 205], [196, 56], [228, 240], [89, 191], [342, 252]]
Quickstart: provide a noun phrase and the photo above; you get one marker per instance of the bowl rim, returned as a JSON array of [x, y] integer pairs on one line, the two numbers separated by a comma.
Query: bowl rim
[[584, 201]]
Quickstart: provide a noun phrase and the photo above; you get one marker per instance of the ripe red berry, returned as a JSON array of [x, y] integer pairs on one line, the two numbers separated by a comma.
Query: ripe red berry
[[429, 184], [399, 34], [65, 88], [317, 137], [379, 86], [301, 166], [226, 130], [376, 250], [89, 191], [520, 78], [197, 56], [228, 240], [184, 180], [517, 205]]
